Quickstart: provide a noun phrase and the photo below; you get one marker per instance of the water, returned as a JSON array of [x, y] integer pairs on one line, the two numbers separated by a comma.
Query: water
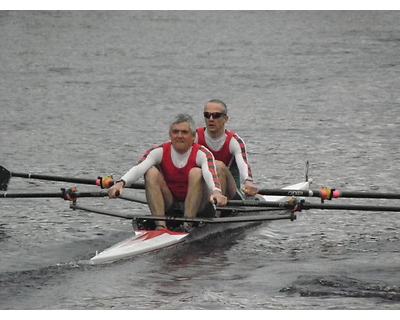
[[85, 93]]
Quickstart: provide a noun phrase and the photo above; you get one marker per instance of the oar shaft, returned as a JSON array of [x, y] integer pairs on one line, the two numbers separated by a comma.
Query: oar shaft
[[331, 206], [53, 178], [101, 182], [370, 195], [32, 195], [75, 206], [134, 199], [52, 194], [289, 193], [302, 205], [330, 193]]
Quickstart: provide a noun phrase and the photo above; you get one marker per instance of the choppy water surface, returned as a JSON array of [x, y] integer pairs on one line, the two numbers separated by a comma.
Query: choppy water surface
[[85, 93]]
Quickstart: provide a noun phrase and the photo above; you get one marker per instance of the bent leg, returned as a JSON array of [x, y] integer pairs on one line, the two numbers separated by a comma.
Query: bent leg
[[195, 195], [228, 184], [159, 197], [197, 201]]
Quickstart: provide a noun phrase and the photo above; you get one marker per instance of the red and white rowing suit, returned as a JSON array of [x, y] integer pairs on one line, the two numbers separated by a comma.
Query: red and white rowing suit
[[175, 167], [230, 149]]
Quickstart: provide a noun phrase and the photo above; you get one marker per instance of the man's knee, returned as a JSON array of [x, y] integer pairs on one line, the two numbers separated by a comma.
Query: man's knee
[[221, 167], [153, 174], [195, 174]]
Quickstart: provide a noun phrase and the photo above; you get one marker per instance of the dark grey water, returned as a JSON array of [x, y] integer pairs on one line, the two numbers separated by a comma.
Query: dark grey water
[[85, 93]]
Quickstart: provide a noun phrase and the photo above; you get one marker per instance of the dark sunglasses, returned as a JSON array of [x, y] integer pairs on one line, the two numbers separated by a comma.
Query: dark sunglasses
[[215, 115]]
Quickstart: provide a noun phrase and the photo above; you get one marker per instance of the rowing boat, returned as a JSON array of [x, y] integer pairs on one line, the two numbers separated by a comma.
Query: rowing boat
[[243, 213], [145, 241]]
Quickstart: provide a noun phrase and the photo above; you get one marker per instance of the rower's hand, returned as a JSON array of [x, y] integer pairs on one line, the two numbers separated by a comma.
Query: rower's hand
[[218, 199], [116, 190], [249, 188]]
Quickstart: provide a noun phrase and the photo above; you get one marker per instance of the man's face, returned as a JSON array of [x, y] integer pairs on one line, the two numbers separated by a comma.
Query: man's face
[[215, 126], [181, 137]]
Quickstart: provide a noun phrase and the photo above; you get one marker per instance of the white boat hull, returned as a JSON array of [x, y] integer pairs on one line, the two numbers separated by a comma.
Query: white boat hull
[[145, 241]]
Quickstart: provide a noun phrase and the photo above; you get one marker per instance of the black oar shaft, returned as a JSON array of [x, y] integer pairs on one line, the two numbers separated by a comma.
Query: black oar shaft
[[106, 182], [369, 195], [32, 195], [302, 205], [61, 194], [330, 193], [101, 211], [134, 199], [331, 206], [54, 178]]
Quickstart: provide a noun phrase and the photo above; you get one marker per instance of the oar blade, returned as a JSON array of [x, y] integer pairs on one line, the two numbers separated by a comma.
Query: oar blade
[[5, 176]]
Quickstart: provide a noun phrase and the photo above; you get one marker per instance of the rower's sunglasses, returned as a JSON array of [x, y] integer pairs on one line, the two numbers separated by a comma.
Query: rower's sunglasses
[[215, 115]]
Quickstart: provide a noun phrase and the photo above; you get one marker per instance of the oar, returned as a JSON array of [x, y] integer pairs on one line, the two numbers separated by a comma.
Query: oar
[[68, 194], [133, 199], [328, 194], [184, 219], [302, 205], [107, 182]]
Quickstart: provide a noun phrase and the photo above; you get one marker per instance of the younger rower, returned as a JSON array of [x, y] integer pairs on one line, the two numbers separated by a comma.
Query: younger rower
[[229, 150]]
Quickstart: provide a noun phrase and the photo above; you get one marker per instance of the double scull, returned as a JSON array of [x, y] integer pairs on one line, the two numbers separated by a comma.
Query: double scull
[[145, 241]]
